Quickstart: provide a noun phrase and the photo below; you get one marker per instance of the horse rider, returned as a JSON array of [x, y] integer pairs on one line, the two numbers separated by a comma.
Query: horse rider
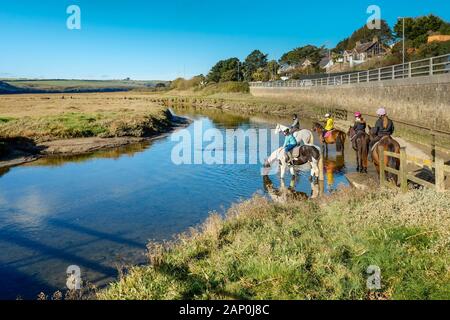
[[289, 144], [384, 127], [296, 124], [360, 124], [329, 126]]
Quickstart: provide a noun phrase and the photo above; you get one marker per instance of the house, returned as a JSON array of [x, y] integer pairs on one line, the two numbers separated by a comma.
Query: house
[[365, 51], [287, 69], [306, 63], [326, 63]]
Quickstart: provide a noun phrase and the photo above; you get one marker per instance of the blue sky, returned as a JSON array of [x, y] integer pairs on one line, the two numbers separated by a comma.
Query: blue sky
[[166, 39]]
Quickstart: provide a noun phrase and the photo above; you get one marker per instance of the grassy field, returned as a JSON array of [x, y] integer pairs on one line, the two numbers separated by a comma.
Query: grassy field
[[82, 84], [55, 116], [305, 250]]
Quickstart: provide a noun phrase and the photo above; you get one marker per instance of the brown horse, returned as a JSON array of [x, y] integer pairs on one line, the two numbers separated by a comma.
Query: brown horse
[[388, 144], [337, 137], [360, 143]]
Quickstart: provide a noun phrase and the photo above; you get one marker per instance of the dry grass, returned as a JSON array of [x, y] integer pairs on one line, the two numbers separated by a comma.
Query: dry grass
[[305, 250], [57, 116]]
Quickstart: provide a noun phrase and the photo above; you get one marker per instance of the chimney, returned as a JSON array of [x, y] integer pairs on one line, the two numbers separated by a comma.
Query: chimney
[[375, 39], [358, 43]]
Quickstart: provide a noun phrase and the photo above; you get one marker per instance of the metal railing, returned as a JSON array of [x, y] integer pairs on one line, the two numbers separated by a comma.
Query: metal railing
[[425, 67]]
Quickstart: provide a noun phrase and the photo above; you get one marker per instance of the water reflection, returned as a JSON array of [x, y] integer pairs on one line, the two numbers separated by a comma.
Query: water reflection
[[331, 168], [126, 151], [285, 194], [101, 209]]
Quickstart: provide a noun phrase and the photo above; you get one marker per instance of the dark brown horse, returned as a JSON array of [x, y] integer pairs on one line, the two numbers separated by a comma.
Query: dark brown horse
[[360, 143], [388, 144], [336, 137]]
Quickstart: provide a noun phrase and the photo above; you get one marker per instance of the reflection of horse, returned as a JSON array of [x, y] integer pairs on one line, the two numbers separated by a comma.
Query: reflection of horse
[[303, 155], [336, 137], [331, 167], [302, 135], [283, 194], [388, 144], [360, 143]]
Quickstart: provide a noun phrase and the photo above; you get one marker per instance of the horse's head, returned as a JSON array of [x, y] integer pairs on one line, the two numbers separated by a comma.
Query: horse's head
[[351, 132], [317, 127], [278, 128]]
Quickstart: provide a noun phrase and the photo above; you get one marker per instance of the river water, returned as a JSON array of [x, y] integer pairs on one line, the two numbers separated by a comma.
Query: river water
[[98, 211]]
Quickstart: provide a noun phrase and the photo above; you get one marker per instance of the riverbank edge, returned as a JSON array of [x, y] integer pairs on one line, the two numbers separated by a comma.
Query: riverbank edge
[[303, 250], [23, 152]]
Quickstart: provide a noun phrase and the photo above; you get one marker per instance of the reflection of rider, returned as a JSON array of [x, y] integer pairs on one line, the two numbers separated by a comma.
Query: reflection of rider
[[329, 126], [289, 143], [384, 127], [296, 124]]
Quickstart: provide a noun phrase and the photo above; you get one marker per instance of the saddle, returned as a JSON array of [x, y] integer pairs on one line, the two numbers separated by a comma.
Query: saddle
[[375, 146], [328, 134], [295, 153]]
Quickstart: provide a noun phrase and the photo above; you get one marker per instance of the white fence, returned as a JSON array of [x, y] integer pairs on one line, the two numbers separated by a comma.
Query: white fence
[[426, 67]]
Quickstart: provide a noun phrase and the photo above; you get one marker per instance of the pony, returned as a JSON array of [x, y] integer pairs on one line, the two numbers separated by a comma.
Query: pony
[[304, 155], [304, 135], [336, 137], [388, 144], [360, 143]]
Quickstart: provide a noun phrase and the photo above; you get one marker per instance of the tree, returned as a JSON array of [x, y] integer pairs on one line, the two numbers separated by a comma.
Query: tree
[[272, 68], [253, 62], [225, 70], [418, 29], [364, 34], [261, 74], [297, 55]]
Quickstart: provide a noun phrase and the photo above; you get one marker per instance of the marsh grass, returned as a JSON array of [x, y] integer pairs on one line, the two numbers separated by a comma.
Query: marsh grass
[[82, 125], [305, 250]]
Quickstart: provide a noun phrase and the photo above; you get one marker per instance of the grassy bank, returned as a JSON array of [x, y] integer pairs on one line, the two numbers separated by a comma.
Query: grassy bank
[[82, 125], [305, 250], [51, 117]]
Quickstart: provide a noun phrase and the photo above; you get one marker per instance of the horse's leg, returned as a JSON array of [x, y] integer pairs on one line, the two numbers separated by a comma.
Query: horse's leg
[[365, 155], [315, 170], [358, 168], [283, 168]]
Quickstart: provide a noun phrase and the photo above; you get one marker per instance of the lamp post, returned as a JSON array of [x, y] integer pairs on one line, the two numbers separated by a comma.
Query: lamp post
[[403, 35]]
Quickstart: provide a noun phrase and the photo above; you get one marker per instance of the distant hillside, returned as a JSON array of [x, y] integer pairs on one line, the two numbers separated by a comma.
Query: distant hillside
[[76, 86], [6, 88]]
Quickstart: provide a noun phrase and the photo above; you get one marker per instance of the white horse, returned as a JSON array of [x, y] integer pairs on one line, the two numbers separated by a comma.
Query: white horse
[[308, 155], [301, 135]]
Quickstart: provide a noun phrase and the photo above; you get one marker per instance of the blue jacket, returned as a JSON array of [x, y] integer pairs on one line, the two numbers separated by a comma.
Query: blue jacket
[[289, 141]]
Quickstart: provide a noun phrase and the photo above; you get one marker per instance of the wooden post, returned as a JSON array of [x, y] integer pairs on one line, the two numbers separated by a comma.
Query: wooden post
[[440, 175], [403, 170], [382, 167], [433, 145]]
